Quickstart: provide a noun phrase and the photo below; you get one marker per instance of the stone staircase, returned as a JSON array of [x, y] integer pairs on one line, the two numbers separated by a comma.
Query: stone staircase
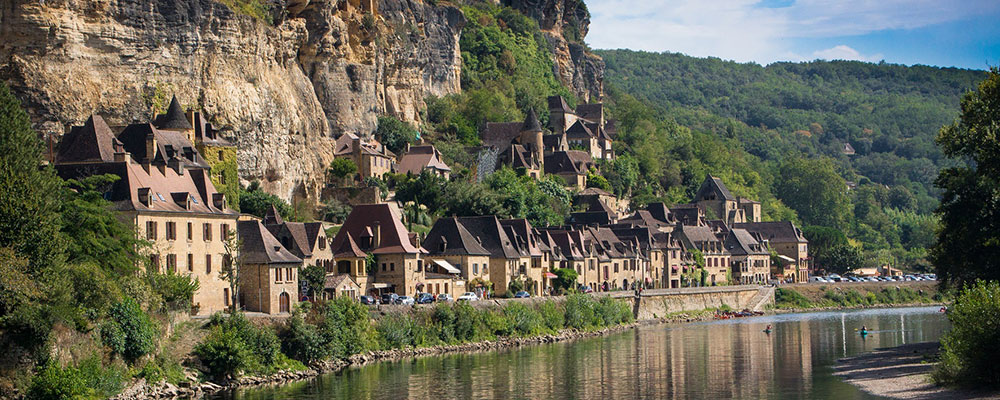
[[764, 296]]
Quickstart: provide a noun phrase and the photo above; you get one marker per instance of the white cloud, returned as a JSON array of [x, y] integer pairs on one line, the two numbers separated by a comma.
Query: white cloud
[[844, 52], [742, 30]]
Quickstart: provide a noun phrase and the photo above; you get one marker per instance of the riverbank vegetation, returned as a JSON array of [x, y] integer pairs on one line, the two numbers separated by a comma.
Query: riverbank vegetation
[[340, 328], [969, 350], [826, 297]]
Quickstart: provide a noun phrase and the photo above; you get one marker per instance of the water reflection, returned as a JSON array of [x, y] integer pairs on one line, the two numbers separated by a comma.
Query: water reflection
[[719, 359]]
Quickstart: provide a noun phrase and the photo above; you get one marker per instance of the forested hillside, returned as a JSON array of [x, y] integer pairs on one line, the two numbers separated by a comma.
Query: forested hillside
[[766, 118]]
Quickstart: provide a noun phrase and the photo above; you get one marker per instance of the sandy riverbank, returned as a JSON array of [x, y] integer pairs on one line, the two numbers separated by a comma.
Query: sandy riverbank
[[901, 373]]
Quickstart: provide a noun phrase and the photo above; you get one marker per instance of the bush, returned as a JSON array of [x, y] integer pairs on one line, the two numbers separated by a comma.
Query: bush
[[969, 352], [525, 320], [553, 316], [613, 312], [129, 331], [346, 327], [223, 353], [580, 311], [303, 342], [55, 382]]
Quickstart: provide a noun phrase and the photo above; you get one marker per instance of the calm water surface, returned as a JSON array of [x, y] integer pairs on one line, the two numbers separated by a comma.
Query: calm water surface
[[718, 359]]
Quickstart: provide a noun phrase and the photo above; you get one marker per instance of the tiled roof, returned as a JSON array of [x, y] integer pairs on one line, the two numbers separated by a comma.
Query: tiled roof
[[558, 103], [491, 235], [741, 242], [524, 232], [531, 122], [348, 248], [579, 130], [572, 161], [339, 280], [420, 158], [394, 238], [170, 146], [714, 185], [92, 142], [453, 237], [260, 247], [501, 134], [783, 231], [591, 111]]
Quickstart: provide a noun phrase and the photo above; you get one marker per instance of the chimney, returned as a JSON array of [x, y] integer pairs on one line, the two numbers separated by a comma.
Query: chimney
[[219, 200], [122, 156], [150, 148], [356, 146], [377, 233]]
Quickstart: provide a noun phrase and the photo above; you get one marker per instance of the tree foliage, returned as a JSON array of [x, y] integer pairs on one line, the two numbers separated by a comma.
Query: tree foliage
[[395, 134]]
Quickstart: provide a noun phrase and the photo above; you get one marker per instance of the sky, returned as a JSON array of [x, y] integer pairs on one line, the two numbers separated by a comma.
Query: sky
[[945, 33]]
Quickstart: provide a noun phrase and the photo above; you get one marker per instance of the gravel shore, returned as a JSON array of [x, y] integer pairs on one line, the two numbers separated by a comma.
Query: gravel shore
[[901, 373]]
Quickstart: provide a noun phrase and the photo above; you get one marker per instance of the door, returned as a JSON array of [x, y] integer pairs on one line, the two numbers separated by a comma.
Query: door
[[284, 303]]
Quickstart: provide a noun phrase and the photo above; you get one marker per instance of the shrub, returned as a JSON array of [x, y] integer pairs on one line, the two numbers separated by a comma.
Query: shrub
[[223, 353], [788, 298], [553, 315], [970, 350], [55, 382], [613, 312], [525, 320], [129, 331], [579, 311], [443, 317], [346, 327], [399, 331], [469, 324], [303, 342]]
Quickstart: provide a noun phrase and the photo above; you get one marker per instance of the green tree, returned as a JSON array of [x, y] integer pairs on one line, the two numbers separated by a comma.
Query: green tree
[[129, 331], [565, 279], [92, 230], [840, 259], [395, 134], [968, 241], [256, 201], [342, 168], [315, 278], [969, 351], [815, 191]]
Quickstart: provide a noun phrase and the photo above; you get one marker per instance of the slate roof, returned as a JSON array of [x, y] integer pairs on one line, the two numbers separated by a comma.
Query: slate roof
[[713, 185], [490, 235], [344, 146], [394, 238], [454, 237], [170, 146], [554, 142], [645, 218], [524, 232], [260, 247], [517, 156], [741, 242], [572, 161], [296, 231], [501, 134], [783, 231], [592, 191], [579, 130], [559, 103], [531, 122], [92, 142], [589, 218], [611, 127], [420, 158], [272, 216], [593, 112], [697, 234], [687, 214], [174, 118]]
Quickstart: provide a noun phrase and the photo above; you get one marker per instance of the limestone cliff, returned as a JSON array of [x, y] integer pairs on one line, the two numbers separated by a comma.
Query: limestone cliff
[[565, 23], [280, 91]]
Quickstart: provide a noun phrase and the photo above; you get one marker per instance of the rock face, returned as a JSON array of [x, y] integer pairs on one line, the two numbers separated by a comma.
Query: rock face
[[565, 23], [280, 91]]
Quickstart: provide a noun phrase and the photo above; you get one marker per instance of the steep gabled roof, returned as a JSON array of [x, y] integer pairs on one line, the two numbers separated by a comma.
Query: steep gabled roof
[[713, 186], [697, 234], [558, 103], [169, 145], [500, 134], [741, 242], [523, 230], [782, 231], [273, 217], [394, 238], [313, 230], [336, 281], [348, 248], [92, 142], [420, 158], [572, 161], [491, 235], [453, 237], [593, 112], [260, 247], [579, 130], [174, 119]]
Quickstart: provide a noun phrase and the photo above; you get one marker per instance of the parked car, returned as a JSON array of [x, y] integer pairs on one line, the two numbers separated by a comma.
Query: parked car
[[586, 289], [425, 298], [389, 298], [445, 297], [367, 300], [817, 279], [404, 300], [522, 295], [468, 296]]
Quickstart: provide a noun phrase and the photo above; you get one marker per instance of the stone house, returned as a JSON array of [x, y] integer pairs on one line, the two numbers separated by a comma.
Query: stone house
[[750, 260], [165, 191], [572, 166], [378, 229], [788, 241], [450, 247], [269, 272], [505, 261], [704, 239], [522, 235], [307, 240], [423, 158], [371, 157]]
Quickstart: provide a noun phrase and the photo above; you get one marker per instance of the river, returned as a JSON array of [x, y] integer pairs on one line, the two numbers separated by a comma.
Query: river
[[717, 359]]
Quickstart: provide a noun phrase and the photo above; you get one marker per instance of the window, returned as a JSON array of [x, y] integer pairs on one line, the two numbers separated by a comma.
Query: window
[[420, 265], [190, 231], [392, 266], [288, 274], [475, 269], [190, 262], [224, 231], [151, 230], [277, 275], [616, 268], [154, 262], [208, 264], [383, 267], [171, 230], [172, 262], [322, 243], [206, 232], [225, 296]]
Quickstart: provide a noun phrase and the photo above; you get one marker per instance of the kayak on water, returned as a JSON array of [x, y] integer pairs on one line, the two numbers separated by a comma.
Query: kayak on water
[[767, 330]]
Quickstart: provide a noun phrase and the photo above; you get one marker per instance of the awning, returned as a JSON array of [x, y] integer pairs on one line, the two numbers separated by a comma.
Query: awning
[[673, 267], [550, 275], [447, 267], [786, 258]]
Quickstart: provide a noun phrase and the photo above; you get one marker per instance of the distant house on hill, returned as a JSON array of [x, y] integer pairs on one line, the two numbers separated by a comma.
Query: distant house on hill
[[423, 158], [372, 158], [848, 149]]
